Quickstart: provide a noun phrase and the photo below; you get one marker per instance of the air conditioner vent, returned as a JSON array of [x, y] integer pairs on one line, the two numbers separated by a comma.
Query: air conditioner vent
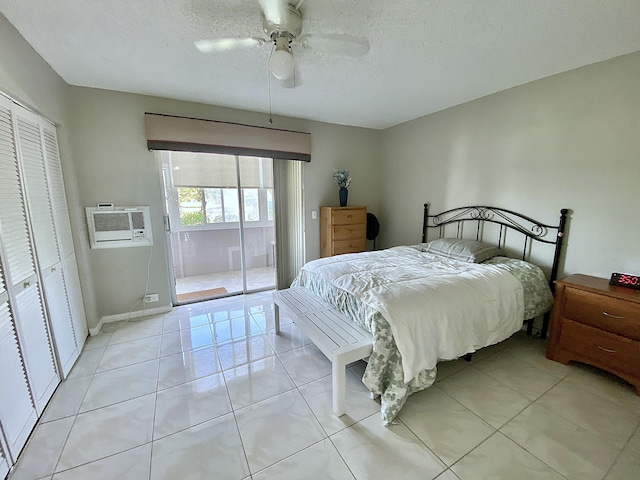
[[120, 227]]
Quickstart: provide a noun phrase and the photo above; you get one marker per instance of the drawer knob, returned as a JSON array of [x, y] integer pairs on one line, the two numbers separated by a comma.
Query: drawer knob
[[612, 316], [608, 350]]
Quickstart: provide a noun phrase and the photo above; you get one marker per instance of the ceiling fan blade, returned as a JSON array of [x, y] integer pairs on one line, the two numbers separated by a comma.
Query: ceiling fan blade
[[336, 43], [225, 44], [275, 11]]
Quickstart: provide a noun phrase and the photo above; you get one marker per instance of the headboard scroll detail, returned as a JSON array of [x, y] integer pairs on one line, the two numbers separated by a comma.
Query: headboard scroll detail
[[476, 216]]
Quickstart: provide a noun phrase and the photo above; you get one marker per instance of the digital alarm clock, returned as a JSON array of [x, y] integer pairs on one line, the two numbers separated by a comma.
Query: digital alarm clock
[[625, 280]]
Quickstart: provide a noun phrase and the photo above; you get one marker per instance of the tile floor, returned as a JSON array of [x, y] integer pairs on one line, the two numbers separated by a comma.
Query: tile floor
[[209, 391]]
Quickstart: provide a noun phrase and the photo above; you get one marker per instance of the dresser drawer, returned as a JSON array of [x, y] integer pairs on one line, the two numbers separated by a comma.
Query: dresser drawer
[[604, 349], [348, 246], [601, 311], [349, 217], [349, 232]]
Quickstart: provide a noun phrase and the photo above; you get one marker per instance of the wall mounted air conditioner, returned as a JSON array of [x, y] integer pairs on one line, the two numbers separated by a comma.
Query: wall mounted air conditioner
[[117, 227]]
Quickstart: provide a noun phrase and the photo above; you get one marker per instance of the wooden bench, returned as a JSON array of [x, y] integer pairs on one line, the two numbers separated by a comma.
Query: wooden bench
[[337, 337]]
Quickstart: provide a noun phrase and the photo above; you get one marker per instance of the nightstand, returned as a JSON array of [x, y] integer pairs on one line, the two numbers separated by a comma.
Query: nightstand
[[597, 323]]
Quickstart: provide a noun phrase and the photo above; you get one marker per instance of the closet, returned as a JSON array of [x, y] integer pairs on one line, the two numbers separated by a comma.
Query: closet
[[42, 322]]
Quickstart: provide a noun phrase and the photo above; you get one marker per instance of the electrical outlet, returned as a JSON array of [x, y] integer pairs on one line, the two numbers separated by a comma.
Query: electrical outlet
[[151, 297]]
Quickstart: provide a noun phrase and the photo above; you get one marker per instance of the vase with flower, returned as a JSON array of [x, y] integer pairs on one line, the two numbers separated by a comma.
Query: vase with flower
[[343, 180]]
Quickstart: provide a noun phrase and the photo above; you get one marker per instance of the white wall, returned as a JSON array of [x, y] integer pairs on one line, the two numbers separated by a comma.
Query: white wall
[[568, 141], [114, 165], [26, 77]]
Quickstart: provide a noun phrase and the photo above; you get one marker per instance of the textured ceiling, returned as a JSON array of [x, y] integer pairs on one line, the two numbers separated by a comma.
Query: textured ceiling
[[425, 55]]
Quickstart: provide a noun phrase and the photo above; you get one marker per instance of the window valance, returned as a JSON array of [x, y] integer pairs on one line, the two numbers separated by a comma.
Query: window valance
[[166, 132]]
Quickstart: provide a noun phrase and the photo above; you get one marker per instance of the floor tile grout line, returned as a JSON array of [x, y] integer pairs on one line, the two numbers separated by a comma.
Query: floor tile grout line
[[75, 418], [615, 461], [97, 459], [311, 409], [560, 413], [296, 388], [532, 453], [508, 351], [342, 458], [293, 454], [153, 419], [471, 451], [498, 432], [235, 418], [581, 428], [514, 389], [507, 386], [424, 445]]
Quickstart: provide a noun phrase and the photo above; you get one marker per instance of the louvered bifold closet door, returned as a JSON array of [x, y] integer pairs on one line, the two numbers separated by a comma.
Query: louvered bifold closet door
[[76, 303], [17, 410], [31, 157], [21, 276], [56, 190], [63, 233]]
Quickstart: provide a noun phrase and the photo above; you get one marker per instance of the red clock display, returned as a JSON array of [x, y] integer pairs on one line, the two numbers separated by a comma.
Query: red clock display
[[625, 280]]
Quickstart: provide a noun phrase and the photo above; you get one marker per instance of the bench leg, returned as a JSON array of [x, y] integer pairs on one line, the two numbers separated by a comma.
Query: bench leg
[[276, 316], [338, 379]]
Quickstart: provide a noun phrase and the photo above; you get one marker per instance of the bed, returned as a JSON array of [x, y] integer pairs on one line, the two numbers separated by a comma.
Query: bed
[[443, 298]]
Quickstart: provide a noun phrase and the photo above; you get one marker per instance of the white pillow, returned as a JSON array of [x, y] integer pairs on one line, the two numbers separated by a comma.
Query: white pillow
[[463, 250]]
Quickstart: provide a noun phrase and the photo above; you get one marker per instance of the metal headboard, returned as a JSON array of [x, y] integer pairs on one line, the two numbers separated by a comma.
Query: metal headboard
[[476, 216]]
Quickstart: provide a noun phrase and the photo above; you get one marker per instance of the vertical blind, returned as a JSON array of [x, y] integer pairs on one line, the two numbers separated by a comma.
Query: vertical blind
[[289, 221]]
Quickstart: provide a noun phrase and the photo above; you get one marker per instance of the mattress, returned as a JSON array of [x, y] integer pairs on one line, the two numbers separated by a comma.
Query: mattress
[[422, 308]]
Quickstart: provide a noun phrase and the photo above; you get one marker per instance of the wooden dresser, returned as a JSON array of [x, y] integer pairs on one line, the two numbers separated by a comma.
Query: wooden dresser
[[342, 230], [597, 323]]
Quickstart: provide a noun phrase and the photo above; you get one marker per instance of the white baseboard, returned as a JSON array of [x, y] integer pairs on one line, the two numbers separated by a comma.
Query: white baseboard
[[124, 316]]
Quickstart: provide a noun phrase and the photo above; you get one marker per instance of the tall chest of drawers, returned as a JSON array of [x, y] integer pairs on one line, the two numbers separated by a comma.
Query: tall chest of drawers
[[342, 230], [597, 323]]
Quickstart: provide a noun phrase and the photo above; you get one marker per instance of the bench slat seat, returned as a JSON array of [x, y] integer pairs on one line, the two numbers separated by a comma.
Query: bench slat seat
[[337, 337]]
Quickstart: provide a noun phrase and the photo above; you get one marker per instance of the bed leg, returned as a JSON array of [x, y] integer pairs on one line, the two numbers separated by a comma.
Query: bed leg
[[529, 326], [545, 325], [467, 357]]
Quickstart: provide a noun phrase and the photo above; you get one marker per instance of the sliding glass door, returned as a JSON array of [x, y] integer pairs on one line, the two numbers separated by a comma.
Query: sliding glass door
[[220, 223]]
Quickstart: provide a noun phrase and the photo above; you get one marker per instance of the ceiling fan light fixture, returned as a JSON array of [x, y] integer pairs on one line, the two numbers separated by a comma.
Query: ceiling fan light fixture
[[281, 64]]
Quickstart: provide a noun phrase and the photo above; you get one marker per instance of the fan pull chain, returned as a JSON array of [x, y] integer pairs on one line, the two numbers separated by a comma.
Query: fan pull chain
[[269, 75], [270, 119]]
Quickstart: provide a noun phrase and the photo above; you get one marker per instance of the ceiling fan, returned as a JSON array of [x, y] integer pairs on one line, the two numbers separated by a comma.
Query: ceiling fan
[[282, 24]]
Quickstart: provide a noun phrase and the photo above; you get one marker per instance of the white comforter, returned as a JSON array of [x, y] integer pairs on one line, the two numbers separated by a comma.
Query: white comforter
[[438, 309]]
